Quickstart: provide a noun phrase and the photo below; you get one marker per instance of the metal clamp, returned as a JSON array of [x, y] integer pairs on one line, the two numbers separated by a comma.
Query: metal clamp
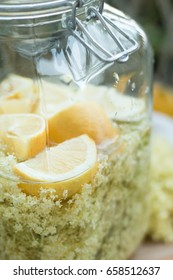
[[79, 4], [75, 5], [76, 25]]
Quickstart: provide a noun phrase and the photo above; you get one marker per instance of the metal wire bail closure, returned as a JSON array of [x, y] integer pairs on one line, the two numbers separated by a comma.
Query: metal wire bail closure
[[76, 25]]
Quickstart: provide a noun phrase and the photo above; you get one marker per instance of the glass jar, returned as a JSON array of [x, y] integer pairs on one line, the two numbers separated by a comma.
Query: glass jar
[[75, 106]]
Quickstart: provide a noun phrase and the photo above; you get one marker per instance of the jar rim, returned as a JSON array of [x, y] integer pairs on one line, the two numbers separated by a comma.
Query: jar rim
[[17, 10]]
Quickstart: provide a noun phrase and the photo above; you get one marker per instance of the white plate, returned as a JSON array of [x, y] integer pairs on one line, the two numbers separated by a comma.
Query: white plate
[[163, 125]]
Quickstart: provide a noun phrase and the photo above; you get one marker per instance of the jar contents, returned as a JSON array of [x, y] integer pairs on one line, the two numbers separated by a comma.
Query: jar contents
[[73, 165]]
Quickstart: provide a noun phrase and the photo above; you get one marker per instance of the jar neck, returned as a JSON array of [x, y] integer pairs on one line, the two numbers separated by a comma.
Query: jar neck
[[44, 17]]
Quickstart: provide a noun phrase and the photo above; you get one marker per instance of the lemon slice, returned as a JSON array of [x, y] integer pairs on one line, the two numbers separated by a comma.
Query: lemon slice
[[54, 98], [65, 167], [118, 106], [23, 134], [17, 95], [81, 118]]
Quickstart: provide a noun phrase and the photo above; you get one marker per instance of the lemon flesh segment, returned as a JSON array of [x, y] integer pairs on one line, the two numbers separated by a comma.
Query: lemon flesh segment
[[81, 118], [64, 168], [23, 134], [55, 97], [117, 105], [17, 95]]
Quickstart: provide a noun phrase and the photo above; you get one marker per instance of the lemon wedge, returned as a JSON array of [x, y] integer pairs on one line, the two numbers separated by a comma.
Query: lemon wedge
[[81, 118], [23, 134], [55, 98], [17, 95], [65, 167], [116, 105]]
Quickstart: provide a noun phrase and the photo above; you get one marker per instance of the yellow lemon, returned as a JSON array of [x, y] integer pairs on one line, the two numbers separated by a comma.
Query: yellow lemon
[[23, 134], [64, 168], [17, 95], [80, 118], [69, 115]]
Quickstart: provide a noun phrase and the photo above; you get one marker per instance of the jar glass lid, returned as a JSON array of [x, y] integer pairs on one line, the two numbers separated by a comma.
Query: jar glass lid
[[45, 16], [82, 19]]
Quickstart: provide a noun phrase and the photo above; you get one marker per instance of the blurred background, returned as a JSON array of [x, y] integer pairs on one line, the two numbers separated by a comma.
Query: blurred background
[[156, 18]]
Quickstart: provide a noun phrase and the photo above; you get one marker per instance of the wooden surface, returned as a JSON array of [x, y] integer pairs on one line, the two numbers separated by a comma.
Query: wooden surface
[[154, 251]]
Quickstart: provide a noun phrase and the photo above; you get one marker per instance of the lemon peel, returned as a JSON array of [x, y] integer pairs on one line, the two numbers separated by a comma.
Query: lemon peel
[[81, 118]]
